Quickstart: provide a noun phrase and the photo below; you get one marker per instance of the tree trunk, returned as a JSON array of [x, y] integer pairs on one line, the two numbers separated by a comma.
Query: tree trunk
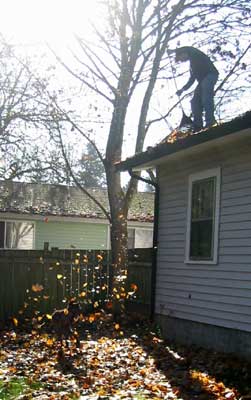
[[118, 211]]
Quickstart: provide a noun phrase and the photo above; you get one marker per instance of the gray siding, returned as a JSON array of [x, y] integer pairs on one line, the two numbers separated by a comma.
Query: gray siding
[[213, 294]]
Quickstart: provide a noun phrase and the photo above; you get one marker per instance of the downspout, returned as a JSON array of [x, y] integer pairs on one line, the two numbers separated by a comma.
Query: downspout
[[155, 238]]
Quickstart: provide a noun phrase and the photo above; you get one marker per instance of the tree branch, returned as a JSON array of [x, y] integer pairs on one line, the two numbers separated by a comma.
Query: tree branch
[[76, 181]]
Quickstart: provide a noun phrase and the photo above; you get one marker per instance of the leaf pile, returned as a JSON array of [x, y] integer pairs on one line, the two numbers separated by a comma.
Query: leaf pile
[[116, 362]]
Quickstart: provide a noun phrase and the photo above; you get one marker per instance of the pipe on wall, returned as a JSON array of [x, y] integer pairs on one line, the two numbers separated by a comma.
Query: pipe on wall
[[155, 238]]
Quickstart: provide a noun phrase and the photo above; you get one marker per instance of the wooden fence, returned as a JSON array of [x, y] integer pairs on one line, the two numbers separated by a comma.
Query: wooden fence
[[34, 281]]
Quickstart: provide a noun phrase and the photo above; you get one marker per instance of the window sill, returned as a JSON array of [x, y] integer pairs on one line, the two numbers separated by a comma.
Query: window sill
[[204, 262]]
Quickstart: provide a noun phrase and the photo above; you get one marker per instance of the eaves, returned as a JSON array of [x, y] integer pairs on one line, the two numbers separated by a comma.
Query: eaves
[[229, 131]]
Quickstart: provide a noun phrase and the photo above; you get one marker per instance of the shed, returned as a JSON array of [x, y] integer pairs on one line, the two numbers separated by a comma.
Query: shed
[[202, 294]]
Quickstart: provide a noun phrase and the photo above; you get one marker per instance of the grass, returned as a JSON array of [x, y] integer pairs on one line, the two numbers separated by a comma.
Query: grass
[[140, 397], [11, 389]]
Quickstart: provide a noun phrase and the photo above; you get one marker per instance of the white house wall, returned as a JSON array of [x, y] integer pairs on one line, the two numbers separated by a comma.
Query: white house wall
[[214, 294]]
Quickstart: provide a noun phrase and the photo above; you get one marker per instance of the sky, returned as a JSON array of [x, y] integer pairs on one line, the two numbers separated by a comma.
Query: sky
[[33, 22], [30, 24]]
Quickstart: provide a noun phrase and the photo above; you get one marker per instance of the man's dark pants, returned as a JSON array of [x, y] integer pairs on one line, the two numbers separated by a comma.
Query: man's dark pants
[[203, 100]]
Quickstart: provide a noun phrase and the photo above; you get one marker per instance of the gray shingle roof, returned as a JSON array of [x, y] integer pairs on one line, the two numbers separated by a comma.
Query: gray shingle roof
[[59, 200], [147, 159]]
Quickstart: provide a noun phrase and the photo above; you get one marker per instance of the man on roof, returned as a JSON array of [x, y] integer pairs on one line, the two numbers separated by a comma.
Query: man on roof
[[203, 70]]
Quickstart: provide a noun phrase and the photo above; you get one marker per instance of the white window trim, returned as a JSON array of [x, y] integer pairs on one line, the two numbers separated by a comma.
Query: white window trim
[[108, 237], [215, 172], [18, 220]]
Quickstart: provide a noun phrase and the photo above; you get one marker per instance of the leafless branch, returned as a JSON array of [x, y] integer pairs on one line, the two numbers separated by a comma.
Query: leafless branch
[[86, 192]]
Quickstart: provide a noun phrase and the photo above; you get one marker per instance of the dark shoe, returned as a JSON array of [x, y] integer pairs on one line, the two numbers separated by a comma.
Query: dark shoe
[[208, 126], [196, 128]]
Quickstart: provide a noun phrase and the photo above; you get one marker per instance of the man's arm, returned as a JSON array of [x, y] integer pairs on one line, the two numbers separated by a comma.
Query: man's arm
[[187, 85]]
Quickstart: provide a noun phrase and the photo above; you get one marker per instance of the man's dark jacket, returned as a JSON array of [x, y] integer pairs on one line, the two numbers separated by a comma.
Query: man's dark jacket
[[200, 65]]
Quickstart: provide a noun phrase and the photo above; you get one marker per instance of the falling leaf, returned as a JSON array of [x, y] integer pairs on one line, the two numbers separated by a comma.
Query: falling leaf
[[15, 321], [91, 318], [134, 287], [37, 288], [109, 305], [59, 276]]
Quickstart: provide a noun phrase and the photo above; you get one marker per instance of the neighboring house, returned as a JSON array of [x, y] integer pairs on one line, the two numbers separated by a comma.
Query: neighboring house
[[63, 216], [203, 274]]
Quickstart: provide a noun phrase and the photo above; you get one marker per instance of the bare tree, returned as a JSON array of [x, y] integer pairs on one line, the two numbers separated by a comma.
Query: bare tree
[[129, 60], [126, 70], [26, 112]]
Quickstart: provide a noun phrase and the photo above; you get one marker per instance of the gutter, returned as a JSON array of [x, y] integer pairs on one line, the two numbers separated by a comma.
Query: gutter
[[238, 126], [155, 239]]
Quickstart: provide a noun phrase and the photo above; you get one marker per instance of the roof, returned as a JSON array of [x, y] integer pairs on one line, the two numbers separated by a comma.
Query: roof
[[68, 201], [177, 142]]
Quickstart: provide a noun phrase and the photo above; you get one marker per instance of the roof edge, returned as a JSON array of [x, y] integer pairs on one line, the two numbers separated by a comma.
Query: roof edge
[[165, 149]]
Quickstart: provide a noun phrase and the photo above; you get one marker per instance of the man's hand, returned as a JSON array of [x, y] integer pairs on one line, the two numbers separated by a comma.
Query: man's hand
[[179, 92]]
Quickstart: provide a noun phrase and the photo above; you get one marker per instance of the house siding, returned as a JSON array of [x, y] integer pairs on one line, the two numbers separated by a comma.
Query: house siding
[[83, 235], [65, 235], [218, 294]]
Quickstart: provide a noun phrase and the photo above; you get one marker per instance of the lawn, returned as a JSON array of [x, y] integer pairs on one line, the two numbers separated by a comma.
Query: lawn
[[115, 361]]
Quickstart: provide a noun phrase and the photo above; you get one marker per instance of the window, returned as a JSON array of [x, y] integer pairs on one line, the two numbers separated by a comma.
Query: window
[[203, 217], [131, 238], [140, 238], [16, 235]]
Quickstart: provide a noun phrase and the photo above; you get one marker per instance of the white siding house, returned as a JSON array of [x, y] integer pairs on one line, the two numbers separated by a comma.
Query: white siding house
[[215, 291], [203, 274]]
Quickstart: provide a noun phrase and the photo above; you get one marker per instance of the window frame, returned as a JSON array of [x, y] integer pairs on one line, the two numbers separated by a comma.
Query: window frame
[[14, 221], [210, 173]]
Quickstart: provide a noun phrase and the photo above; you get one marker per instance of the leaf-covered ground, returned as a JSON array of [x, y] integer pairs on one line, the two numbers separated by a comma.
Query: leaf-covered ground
[[115, 361]]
